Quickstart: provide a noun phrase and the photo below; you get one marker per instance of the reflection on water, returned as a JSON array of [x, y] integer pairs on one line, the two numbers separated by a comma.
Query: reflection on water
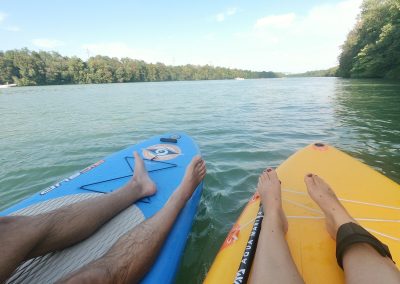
[[48, 133], [368, 113]]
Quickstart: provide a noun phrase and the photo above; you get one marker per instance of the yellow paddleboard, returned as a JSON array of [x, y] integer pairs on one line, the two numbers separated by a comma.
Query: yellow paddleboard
[[370, 197]]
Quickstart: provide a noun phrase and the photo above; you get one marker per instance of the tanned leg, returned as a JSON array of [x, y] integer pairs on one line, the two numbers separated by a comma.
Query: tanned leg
[[132, 255], [273, 262], [361, 263], [24, 237]]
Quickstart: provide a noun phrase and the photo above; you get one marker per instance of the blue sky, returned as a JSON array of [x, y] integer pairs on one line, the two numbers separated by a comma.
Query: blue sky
[[286, 35]]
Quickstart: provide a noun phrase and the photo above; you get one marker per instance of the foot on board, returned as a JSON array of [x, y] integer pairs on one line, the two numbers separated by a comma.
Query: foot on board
[[269, 188], [195, 173], [141, 178], [335, 214]]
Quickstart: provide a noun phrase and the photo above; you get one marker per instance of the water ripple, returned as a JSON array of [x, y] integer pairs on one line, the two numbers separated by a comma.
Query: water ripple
[[48, 133]]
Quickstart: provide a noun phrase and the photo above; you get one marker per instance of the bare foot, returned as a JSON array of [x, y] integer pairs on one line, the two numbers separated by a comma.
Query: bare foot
[[141, 178], [269, 188], [335, 214], [195, 173]]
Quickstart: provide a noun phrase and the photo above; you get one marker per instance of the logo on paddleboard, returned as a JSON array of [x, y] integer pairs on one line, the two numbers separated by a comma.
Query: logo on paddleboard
[[161, 152], [232, 236], [85, 170], [234, 232]]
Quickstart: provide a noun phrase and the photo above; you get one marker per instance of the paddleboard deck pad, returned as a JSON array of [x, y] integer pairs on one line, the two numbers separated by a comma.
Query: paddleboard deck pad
[[371, 198], [166, 158]]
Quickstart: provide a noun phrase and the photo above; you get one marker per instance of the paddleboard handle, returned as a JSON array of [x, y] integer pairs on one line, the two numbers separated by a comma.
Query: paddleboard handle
[[319, 144], [169, 140]]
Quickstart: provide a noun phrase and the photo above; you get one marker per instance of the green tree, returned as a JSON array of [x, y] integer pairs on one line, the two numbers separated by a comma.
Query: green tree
[[26, 67], [372, 48]]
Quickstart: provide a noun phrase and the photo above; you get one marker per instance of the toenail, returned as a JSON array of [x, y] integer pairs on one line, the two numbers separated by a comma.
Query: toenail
[[269, 170], [280, 182], [309, 175]]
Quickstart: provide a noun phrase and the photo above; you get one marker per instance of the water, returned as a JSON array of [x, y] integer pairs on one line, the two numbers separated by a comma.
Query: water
[[48, 133]]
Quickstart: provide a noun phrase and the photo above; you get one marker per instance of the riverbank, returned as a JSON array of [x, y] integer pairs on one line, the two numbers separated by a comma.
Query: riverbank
[[7, 86], [31, 68]]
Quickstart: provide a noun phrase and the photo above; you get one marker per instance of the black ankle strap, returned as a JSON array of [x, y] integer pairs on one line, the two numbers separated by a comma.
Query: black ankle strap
[[352, 233]]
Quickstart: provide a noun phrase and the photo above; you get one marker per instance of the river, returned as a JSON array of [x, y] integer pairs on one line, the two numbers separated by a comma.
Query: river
[[47, 133]]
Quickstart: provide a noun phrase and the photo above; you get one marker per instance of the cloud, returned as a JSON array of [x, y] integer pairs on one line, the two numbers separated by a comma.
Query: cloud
[[231, 11], [296, 43], [332, 19], [120, 50], [276, 21], [12, 29], [209, 36], [2, 16], [220, 17], [47, 43]]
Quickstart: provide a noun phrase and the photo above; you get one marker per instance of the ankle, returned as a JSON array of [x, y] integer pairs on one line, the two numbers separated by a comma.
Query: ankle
[[273, 215], [274, 223], [272, 207], [131, 190], [183, 193]]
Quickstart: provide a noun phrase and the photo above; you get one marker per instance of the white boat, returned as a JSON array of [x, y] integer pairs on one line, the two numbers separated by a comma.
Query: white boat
[[7, 86], [239, 78]]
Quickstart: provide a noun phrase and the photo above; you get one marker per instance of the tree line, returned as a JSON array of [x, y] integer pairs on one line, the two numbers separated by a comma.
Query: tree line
[[372, 48], [331, 72], [26, 68]]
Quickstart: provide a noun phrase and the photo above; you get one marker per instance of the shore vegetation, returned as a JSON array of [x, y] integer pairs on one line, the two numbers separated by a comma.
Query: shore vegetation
[[30, 68], [331, 72], [372, 48]]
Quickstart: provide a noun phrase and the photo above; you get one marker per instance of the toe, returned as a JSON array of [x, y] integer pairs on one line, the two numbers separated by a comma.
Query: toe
[[260, 180], [272, 174], [263, 177], [308, 179], [319, 181], [197, 159], [267, 172], [201, 165]]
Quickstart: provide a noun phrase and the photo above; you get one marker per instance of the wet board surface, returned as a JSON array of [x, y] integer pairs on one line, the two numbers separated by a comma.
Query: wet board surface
[[166, 163], [370, 197]]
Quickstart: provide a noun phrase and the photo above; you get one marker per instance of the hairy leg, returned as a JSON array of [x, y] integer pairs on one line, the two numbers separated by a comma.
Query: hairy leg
[[24, 237], [273, 262], [132, 255], [361, 263]]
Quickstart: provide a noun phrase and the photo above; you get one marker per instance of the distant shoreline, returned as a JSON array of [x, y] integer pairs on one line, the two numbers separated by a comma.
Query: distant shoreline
[[87, 84], [284, 77], [31, 68]]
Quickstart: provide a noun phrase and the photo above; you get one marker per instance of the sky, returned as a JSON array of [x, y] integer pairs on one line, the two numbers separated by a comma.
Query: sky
[[264, 35]]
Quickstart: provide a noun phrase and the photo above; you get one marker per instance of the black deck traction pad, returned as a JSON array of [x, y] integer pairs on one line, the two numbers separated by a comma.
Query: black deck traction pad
[[352, 233], [166, 165]]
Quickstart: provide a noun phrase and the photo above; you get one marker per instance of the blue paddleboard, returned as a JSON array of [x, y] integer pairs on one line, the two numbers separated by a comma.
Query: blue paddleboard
[[165, 160]]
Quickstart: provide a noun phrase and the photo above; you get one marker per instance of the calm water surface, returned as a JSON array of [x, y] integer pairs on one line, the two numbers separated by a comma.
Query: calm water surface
[[48, 133]]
